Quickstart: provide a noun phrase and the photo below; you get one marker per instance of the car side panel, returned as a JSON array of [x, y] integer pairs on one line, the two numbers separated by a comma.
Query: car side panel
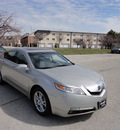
[[6, 69], [17, 78]]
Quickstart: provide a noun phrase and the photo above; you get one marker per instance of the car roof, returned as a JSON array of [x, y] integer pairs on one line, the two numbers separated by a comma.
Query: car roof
[[30, 49]]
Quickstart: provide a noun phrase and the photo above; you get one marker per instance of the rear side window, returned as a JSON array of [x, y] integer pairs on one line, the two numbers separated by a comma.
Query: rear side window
[[11, 55]]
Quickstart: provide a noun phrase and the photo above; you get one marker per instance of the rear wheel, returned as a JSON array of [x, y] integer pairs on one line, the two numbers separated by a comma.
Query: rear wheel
[[41, 101]]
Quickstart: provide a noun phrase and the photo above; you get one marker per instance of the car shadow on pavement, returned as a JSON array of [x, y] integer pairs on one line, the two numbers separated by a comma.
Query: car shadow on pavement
[[15, 104]]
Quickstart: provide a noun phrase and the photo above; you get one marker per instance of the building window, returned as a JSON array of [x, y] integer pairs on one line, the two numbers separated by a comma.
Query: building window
[[67, 39], [94, 35], [53, 34], [53, 39], [87, 35], [74, 34], [94, 40], [81, 35], [68, 34], [47, 33], [50, 45], [47, 38]]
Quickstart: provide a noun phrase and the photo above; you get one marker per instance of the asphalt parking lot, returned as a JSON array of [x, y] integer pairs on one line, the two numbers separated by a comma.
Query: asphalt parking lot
[[17, 112]]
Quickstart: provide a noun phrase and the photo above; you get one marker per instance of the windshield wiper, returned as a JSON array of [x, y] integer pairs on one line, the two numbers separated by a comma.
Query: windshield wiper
[[61, 65], [46, 67], [53, 67]]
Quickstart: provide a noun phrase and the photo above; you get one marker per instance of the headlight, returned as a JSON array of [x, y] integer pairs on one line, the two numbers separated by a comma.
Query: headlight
[[71, 90], [101, 82]]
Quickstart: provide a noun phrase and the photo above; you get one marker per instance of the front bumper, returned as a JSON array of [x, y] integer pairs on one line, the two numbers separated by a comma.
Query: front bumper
[[65, 105]]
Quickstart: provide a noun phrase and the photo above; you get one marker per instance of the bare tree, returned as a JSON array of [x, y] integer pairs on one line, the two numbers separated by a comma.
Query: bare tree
[[79, 42], [15, 40], [89, 41], [59, 37], [38, 37], [7, 24], [108, 41], [10, 40]]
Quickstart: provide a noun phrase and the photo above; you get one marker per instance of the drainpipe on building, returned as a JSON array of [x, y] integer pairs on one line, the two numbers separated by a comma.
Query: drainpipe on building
[[71, 40], [97, 42]]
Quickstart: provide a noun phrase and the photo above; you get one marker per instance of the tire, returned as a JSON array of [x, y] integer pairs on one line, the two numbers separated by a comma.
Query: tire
[[41, 102]]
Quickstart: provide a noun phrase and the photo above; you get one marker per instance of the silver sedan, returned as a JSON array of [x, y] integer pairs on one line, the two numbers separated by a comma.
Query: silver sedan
[[53, 83]]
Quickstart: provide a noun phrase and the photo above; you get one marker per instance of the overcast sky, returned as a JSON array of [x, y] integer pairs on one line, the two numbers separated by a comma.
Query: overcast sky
[[97, 16]]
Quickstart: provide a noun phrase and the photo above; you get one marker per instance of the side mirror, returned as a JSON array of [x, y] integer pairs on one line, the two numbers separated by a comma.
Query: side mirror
[[23, 67]]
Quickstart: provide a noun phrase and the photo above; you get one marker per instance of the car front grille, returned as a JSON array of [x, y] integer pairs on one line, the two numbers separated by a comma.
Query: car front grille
[[95, 93]]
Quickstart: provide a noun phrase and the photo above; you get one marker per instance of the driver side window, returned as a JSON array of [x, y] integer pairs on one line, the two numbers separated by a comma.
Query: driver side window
[[21, 58]]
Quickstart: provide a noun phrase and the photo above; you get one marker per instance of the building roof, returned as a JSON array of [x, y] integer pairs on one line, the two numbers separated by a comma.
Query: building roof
[[48, 31]]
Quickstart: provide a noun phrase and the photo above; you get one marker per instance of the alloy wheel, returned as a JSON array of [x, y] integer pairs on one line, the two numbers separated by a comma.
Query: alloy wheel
[[40, 101]]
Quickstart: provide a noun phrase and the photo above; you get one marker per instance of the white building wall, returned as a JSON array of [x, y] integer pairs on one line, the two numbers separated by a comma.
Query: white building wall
[[50, 39]]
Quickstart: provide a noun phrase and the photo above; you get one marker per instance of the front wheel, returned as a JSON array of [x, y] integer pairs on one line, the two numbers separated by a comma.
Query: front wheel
[[41, 101]]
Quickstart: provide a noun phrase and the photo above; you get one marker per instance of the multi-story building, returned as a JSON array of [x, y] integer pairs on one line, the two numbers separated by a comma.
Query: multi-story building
[[10, 40], [64, 39], [28, 40]]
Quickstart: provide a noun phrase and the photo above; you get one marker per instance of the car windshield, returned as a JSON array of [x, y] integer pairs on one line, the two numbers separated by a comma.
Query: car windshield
[[116, 47], [46, 60]]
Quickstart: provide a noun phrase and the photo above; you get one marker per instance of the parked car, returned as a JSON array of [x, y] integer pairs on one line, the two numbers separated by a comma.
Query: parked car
[[2, 49], [115, 49], [53, 83]]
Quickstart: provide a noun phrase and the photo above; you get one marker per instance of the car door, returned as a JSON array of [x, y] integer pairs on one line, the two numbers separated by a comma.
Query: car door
[[9, 62], [18, 78], [21, 77]]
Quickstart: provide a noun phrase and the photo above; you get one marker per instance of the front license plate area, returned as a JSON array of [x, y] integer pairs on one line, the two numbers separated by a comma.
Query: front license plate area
[[101, 104]]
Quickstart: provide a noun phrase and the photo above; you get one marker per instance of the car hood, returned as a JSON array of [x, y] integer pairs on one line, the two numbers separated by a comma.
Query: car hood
[[73, 75]]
